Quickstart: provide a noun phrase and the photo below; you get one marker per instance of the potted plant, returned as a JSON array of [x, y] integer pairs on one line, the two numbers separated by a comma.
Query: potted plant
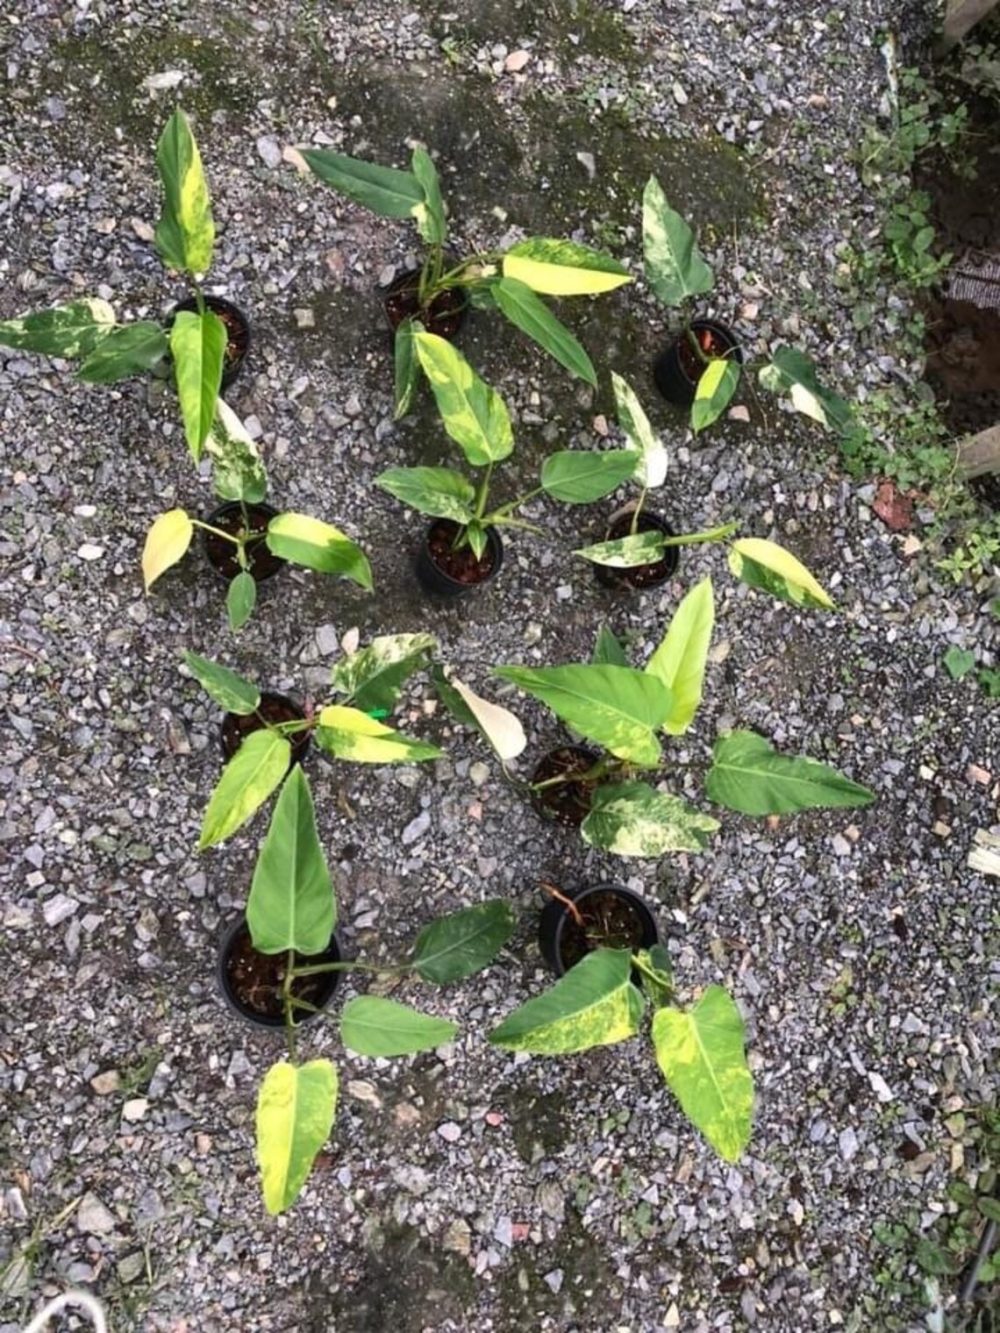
[[280, 966], [606, 978], [245, 539], [205, 337], [622, 712], [437, 294], [462, 548], [264, 734], [700, 368]]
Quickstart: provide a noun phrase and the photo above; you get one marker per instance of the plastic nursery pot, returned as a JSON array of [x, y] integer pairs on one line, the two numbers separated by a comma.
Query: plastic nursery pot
[[237, 333], [565, 802], [613, 918], [401, 299], [446, 572], [251, 982], [639, 576], [678, 368], [273, 708], [229, 517]]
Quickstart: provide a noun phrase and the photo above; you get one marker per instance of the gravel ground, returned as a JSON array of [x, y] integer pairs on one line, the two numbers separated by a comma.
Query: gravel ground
[[465, 1189]]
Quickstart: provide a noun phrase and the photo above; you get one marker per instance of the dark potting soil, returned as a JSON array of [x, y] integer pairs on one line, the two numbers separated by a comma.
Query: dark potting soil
[[710, 343], [566, 802], [461, 565], [273, 708], [261, 561], [639, 576], [608, 922], [443, 316], [256, 979]]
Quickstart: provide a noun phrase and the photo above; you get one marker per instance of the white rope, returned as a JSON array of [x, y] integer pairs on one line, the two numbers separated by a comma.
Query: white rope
[[83, 1299]]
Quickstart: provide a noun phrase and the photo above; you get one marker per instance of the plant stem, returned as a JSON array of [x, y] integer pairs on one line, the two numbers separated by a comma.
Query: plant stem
[[199, 297], [709, 535], [287, 1002], [216, 532], [634, 525], [317, 969], [647, 971], [484, 490], [598, 770]]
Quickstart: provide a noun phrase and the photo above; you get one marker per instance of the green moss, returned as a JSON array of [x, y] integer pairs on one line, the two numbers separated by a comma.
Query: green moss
[[567, 29], [589, 1291]]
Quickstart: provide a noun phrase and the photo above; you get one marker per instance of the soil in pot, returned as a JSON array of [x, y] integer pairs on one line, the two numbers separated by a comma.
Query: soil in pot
[[235, 518], [449, 572], [444, 316], [252, 981], [639, 576], [237, 333], [273, 708], [609, 918], [679, 368], [565, 802]]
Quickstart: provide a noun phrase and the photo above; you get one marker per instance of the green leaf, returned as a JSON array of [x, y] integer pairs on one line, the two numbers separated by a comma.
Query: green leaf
[[714, 392], [185, 233], [63, 330], [373, 676], [238, 473], [464, 942], [701, 1056], [581, 476], [659, 986], [291, 903], [932, 1259], [438, 491], [405, 367], [241, 598], [619, 707], [680, 659], [373, 1026], [317, 545], [197, 344], [384, 190], [959, 662], [633, 819], [748, 775], [532, 316], [768, 566], [990, 1208], [473, 414], [651, 467], [608, 650], [348, 733], [674, 268], [563, 268], [126, 350], [475, 535], [429, 213], [594, 1004], [249, 778], [792, 372], [296, 1105], [496, 725], [167, 541], [230, 691], [640, 548]]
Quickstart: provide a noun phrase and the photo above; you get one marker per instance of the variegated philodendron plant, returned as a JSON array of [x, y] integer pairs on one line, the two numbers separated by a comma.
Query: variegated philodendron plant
[[625, 711], [477, 419], [87, 330], [677, 272], [700, 1049], [292, 910], [512, 281], [366, 683]]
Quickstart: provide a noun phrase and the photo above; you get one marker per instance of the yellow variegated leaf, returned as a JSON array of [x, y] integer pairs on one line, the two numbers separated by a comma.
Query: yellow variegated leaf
[[594, 1004], [563, 268], [296, 1105], [166, 542], [317, 545], [766, 565], [185, 234], [348, 733], [680, 659]]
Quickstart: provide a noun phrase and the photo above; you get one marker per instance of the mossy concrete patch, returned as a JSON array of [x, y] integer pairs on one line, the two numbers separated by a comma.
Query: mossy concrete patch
[[565, 28]]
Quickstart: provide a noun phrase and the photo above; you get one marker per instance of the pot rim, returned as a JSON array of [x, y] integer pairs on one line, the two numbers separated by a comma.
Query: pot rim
[[234, 929], [560, 915], [493, 539]]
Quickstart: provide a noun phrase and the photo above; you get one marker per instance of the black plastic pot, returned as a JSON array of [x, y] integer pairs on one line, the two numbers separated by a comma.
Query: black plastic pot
[[438, 581], [263, 563], [237, 331], [273, 708], [318, 990], [569, 802], [639, 576], [401, 300], [558, 932], [677, 369]]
